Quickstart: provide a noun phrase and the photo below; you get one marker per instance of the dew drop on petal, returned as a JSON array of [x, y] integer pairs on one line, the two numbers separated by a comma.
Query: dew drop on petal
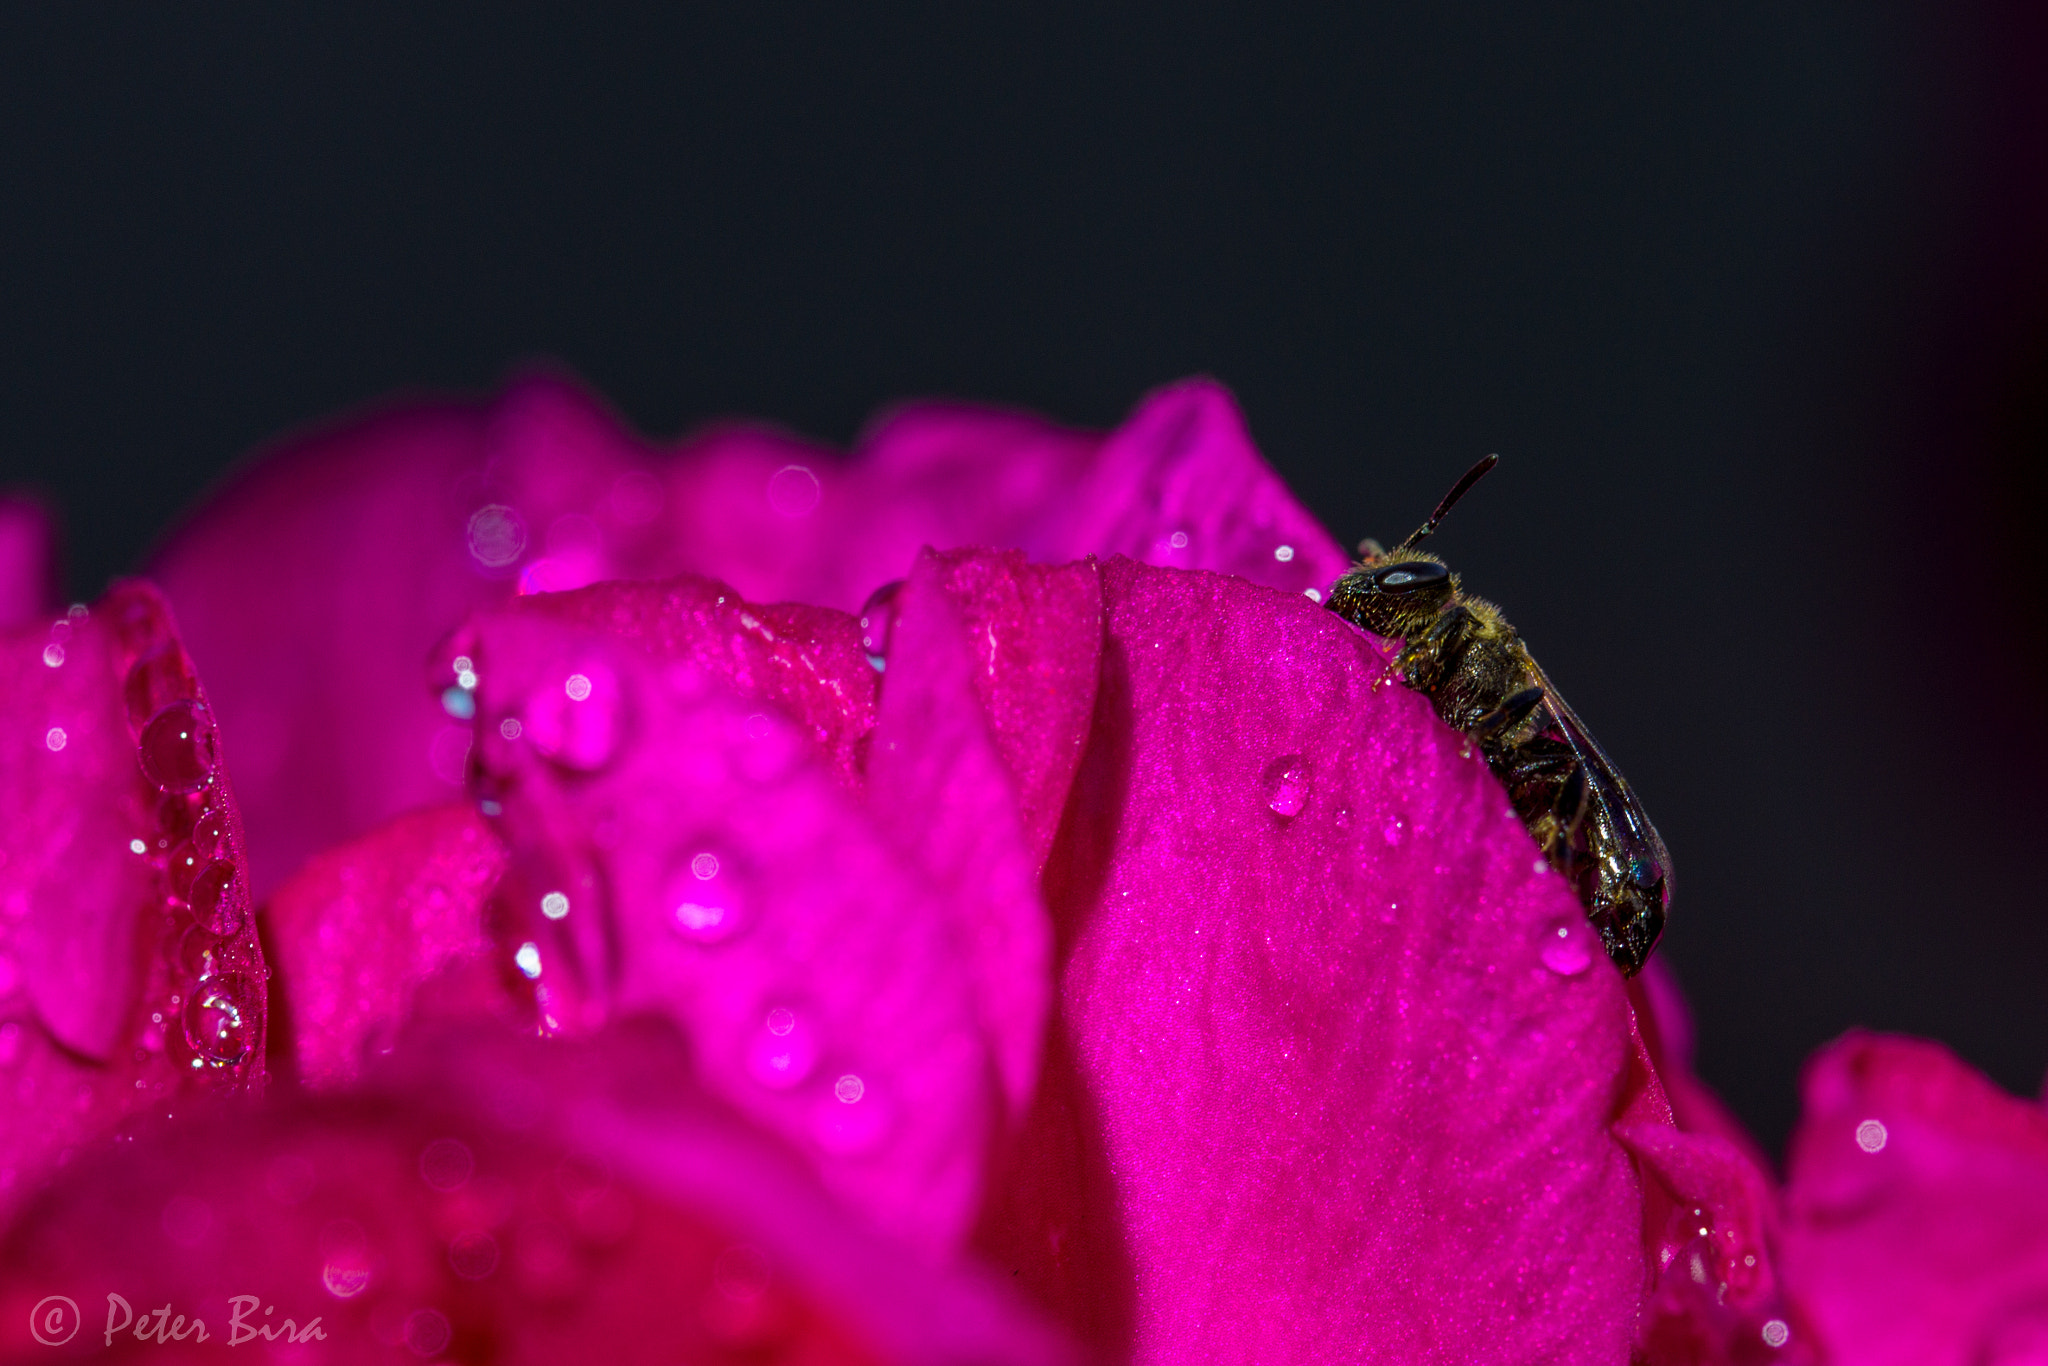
[[1283, 553], [473, 1255], [221, 1020], [783, 1051], [793, 491], [496, 536], [705, 901], [576, 720], [1178, 540], [53, 655], [214, 903], [181, 867], [1312, 594], [177, 749], [446, 1164], [210, 835], [554, 905], [877, 617], [528, 959], [1565, 951], [199, 951], [850, 1118], [1776, 1333], [1285, 785], [155, 681], [427, 1332], [1871, 1136], [55, 738]]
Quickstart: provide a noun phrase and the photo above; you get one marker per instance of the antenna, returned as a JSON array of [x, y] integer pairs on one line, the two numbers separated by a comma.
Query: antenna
[[1472, 476]]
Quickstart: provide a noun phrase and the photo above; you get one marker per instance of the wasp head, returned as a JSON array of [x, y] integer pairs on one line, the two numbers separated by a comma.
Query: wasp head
[[1396, 595]]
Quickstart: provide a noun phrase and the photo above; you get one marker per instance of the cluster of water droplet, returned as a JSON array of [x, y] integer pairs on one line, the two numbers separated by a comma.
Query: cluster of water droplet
[[218, 967]]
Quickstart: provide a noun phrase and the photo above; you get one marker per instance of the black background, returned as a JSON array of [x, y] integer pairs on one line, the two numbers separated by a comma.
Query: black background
[[1752, 297]]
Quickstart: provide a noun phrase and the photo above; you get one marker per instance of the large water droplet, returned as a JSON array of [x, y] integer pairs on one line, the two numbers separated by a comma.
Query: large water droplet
[[793, 491], [210, 835], [199, 951], [157, 680], [1286, 784], [704, 899], [496, 536], [177, 749], [221, 1020], [181, 867], [783, 1050], [345, 1259], [576, 719], [1565, 951], [215, 900], [877, 618], [473, 1255]]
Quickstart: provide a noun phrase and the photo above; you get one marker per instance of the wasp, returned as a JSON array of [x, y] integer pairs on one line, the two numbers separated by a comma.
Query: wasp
[[1460, 653]]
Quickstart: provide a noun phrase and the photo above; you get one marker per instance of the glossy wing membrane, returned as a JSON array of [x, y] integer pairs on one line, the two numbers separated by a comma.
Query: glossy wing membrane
[[1627, 887]]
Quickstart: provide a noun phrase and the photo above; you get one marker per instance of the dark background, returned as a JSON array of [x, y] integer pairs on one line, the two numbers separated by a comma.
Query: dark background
[[1753, 298]]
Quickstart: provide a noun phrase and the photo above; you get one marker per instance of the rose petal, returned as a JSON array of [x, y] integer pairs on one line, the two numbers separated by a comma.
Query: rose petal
[[679, 783], [101, 1006], [1914, 1212], [359, 928], [938, 785], [1319, 1097], [313, 588], [496, 1197]]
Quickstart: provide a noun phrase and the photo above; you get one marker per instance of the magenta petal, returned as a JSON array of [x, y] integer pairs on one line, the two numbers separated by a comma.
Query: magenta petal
[[1326, 1095], [1917, 1197], [492, 1198], [937, 785], [676, 771], [108, 987], [1180, 484], [359, 928]]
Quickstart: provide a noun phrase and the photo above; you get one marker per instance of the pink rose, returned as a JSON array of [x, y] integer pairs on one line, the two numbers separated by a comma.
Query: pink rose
[[1083, 951]]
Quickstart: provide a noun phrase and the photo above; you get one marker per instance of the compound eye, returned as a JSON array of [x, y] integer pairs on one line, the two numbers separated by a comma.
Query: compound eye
[[1410, 576]]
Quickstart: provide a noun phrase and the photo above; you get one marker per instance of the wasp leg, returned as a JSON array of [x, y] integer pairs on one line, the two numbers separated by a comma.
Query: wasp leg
[[1504, 718], [1571, 801]]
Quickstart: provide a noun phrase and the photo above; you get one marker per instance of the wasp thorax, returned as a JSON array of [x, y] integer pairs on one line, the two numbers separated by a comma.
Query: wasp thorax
[[1394, 597]]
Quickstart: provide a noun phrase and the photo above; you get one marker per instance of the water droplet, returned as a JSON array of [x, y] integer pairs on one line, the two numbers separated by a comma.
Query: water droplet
[[53, 655], [793, 491], [705, 901], [1283, 553], [783, 1051], [346, 1274], [1178, 540], [851, 1118], [576, 721], [55, 738], [221, 1020], [137, 847], [1312, 594], [528, 959], [496, 536], [473, 1255], [181, 867], [1777, 1333], [554, 905], [446, 1164], [177, 749], [877, 617], [157, 680], [510, 728], [1871, 1136], [210, 834], [199, 951], [215, 899], [1286, 784], [1565, 951]]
